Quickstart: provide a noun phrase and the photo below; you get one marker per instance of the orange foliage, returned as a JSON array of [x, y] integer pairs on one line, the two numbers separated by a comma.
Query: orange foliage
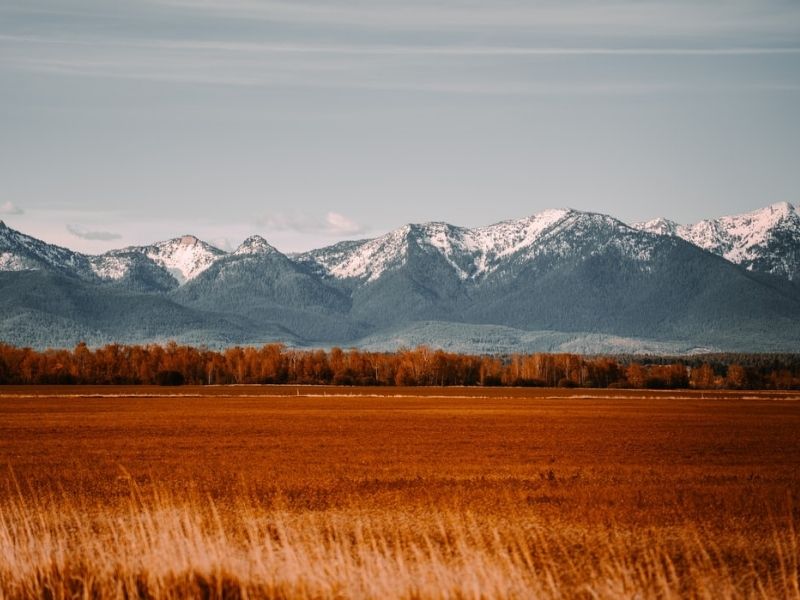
[[173, 364]]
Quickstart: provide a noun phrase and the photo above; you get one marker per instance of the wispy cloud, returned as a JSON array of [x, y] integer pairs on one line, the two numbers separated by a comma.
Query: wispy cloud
[[367, 78], [332, 224], [333, 44], [85, 234], [340, 225], [450, 67], [301, 47], [9, 208], [622, 17]]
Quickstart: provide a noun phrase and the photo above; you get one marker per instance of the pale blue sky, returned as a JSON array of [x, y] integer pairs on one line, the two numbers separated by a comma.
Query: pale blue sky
[[311, 121]]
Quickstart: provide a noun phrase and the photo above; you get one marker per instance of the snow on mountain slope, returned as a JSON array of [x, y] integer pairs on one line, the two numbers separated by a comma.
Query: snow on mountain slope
[[559, 270], [471, 252], [559, 233], [368, 260], [474, 253], [659, 226], [184, 258], [365, 259], [109, 267], [493, 242], [13, 262], [255, 244], [20, 252], [765, 240]]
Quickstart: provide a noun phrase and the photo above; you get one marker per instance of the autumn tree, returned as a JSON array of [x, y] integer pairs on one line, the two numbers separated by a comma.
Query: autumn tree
[[703, 377]]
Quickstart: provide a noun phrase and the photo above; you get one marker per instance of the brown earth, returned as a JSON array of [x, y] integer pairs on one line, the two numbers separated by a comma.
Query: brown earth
[[662, 494]]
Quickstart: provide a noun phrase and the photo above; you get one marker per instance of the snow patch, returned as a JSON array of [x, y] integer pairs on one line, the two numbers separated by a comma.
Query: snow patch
[[110, 268], [475, 253], [25, 253], [184, 257], [255, 244], [757, 237], [11, 262], [369, 259]]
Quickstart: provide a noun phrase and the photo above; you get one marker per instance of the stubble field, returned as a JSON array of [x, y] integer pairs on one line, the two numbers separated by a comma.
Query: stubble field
[[313, 492]]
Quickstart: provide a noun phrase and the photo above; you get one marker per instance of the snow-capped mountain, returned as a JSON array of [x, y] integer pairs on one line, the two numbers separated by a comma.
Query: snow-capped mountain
[[475, 253], [766, 240], [181, 258], [367, 260], [20, 252], [254, 245], [184, 258], [560, 273], [273, 296], [659, 226], [471, 252]]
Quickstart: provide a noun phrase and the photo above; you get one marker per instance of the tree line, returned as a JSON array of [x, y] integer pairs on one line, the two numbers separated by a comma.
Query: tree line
[[173, 364]]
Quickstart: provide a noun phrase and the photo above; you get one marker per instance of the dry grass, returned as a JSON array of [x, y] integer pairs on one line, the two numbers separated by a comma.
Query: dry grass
[[518, 495]]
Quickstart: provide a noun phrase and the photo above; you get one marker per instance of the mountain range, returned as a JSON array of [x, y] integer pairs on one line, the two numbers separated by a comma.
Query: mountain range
[[560, 280]]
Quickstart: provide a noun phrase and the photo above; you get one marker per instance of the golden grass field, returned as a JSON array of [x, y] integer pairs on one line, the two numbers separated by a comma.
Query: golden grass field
[[313, 492]]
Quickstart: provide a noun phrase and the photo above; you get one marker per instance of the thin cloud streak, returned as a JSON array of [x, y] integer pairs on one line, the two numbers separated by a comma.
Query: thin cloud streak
[[383, 67], [102, 236], [9, 208], [108, 70], [621, 17], [332, 224], [406, 50]]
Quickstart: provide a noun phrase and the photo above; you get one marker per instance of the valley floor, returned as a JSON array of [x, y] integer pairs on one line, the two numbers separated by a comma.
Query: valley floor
[[322, 492]]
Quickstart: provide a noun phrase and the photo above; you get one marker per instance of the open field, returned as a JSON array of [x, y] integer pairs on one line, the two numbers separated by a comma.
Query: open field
[[398, 492]]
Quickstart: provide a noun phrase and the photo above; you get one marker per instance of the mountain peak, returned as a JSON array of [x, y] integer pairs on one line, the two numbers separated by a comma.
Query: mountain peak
[[472, 253], [760, 218], [558, 270], [776, 213], [785, 207], [659, 226], [760, 240], [21, 252], [10, 231], [755, 224], [183, 257], [188, 240], [255, 244]]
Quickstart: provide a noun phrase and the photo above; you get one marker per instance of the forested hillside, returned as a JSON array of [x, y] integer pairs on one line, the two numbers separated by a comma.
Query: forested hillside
[[560, 280]]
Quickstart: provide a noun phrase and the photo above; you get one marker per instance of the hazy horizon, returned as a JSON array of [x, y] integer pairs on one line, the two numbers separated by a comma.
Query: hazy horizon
[[115, 243]]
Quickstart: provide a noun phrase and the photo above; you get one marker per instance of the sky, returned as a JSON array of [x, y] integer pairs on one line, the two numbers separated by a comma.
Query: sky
[[310, 121]]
